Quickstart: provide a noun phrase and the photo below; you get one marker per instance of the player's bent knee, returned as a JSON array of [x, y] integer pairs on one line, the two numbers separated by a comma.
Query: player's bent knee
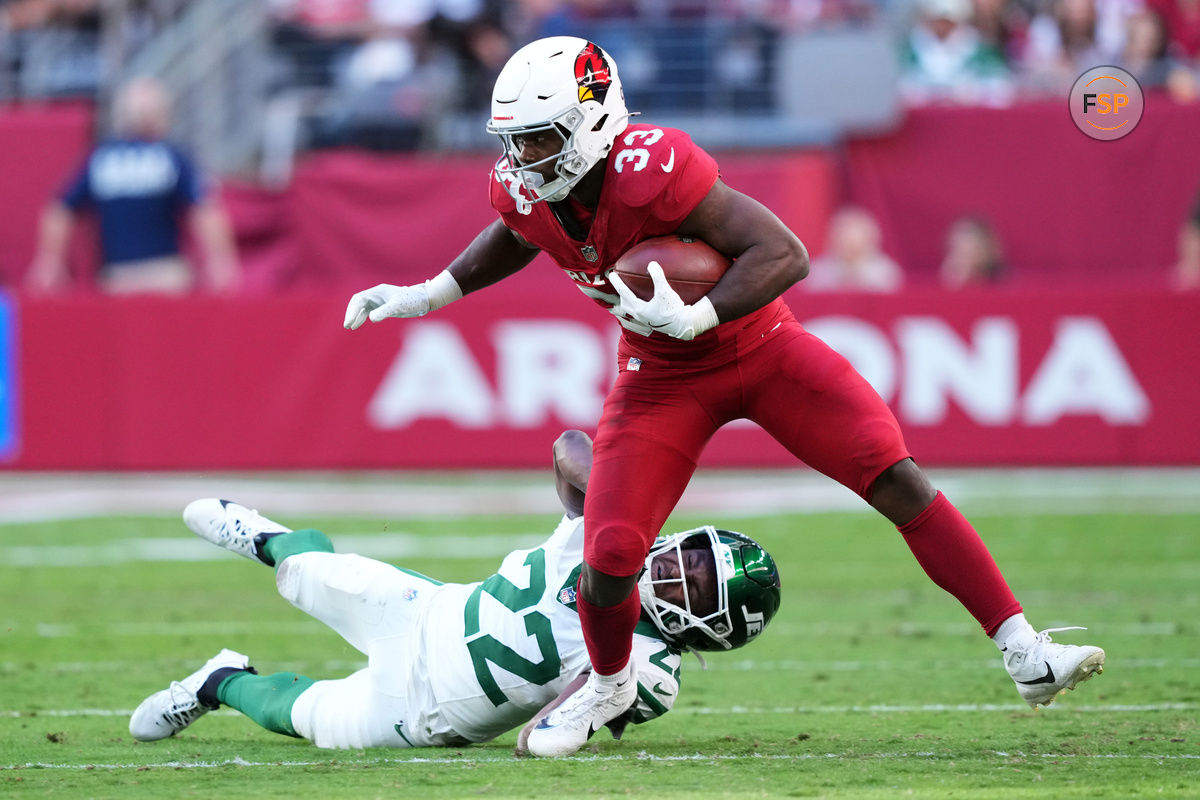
[[616, 550], [287, 579], [304, 574], [902, 491]]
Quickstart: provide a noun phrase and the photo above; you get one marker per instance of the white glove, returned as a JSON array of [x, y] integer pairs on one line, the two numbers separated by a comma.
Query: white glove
[[665, 312], [385, 300]]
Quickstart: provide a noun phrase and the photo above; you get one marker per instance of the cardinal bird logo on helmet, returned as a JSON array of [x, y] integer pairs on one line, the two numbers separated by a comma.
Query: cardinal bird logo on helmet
[[592, 74]]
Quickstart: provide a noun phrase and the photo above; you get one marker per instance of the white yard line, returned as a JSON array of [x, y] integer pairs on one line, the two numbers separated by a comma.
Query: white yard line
[[637, 757], [333, 666], [62, 630], [940, 708], [932, 708], [27, 497], [189, 548]]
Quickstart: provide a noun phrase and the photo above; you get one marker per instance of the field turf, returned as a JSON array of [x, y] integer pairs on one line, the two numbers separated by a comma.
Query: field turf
[[870, 683]]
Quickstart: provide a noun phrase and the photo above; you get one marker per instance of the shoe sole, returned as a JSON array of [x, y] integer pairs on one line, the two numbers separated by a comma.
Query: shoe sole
[[1088, 668]]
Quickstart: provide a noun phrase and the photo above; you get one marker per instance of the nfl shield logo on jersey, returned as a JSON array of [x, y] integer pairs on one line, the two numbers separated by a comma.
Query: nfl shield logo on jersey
[[409, 594], [567, 595], [589, 253]]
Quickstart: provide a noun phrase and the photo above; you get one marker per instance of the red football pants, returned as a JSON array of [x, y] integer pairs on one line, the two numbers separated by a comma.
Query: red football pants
[[662, 411]]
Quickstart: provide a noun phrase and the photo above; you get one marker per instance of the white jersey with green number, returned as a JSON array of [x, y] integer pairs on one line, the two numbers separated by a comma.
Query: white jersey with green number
[[494, 653]]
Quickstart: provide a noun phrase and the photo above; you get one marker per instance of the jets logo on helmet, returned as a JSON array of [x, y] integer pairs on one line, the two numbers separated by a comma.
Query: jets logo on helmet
[[747, 588], [564, 88], [754, 622], [592, 73]]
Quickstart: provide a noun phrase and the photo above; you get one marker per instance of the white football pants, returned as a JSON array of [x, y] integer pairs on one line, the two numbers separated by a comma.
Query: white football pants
[[372, 606]]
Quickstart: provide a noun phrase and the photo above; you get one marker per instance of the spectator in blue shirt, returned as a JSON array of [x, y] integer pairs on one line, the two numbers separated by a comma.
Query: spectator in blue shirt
[[141, 188]]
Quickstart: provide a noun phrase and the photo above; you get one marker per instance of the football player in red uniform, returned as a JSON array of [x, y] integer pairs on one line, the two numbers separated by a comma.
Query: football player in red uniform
[[581, 183]]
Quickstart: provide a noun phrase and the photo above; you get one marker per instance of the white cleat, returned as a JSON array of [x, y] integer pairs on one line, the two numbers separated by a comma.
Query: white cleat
[[166, 713], [232, 526], [567, 727], [1046, 670]]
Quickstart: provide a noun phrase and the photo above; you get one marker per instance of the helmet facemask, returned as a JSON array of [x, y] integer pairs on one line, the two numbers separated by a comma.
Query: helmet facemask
[[747, 591], [690, 624], [569, 163]]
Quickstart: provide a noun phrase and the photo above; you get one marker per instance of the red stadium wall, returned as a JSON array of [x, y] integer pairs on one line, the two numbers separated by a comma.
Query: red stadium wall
[[356, 219], [40, 145], [1068, 209], [1040, 372], [347, 219], [1091, 377]]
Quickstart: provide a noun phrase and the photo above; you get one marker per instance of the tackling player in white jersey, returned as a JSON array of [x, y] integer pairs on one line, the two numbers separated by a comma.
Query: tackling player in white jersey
[[449, 664]]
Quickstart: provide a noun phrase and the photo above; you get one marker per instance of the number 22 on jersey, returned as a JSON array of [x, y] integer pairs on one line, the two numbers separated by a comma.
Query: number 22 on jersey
[[485, 648]]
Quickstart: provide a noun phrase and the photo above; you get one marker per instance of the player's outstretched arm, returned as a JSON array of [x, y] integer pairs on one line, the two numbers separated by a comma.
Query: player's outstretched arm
[[495, 253], [770, 258], [572, 466]]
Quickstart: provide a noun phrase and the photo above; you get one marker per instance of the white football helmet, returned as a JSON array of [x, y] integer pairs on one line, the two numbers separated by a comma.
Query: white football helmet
[[562, 84]]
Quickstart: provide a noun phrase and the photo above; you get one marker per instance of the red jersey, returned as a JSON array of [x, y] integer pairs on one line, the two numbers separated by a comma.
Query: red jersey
[[654, 178]]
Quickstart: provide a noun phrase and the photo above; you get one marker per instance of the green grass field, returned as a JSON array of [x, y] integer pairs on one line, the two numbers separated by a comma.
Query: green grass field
[[869, 683]]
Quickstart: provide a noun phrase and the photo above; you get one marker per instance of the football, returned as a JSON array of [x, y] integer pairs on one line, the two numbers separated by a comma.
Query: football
[[691, 266]]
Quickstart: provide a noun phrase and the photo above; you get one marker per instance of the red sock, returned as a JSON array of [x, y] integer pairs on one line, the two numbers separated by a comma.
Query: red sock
[[956, 559], [608, 631]]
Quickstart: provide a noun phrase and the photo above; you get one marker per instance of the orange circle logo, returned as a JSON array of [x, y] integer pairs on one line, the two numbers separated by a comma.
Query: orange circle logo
[[1106, 103]]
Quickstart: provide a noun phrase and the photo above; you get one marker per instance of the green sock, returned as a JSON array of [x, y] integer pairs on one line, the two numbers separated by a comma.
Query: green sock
[[309, 540], [266, 699]]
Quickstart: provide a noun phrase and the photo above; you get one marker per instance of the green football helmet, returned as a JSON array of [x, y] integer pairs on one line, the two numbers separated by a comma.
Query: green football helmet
[[747, 591]]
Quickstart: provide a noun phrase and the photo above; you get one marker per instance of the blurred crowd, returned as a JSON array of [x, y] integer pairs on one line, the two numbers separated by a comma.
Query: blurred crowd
[[49, 47], [411, 56], [996, 51], [436, 56], [66, 48]]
